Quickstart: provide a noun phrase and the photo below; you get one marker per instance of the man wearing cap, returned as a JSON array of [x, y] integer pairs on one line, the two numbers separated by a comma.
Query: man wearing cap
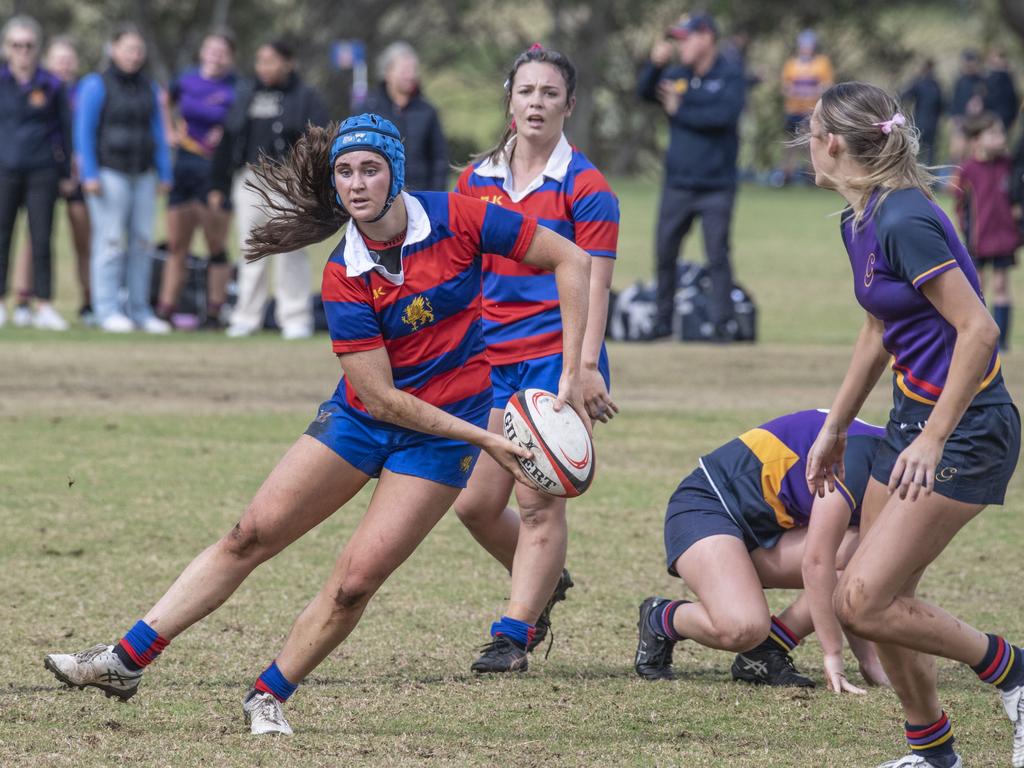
[[702, 97], [805, 77]]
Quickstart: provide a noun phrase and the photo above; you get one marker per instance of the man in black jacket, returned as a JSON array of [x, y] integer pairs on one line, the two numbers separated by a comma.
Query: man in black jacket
[[398, 99], [703, 99], [267, 117], [926, 94]]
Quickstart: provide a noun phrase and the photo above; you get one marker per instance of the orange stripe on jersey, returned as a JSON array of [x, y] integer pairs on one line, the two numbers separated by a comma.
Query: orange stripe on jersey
[[776, 460]]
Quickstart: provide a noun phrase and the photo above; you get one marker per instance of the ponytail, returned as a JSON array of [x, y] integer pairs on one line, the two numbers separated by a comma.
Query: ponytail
[[297, 195]]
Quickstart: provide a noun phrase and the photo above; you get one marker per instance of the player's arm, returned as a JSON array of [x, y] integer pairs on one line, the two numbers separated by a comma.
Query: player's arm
[[829, 521], [599, 403], [825, 459], [976, 340], [369, 372], [571, 265]]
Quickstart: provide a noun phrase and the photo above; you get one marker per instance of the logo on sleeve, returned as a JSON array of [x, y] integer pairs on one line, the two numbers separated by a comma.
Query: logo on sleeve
[[465, 464], [869, 271], [419, 313]]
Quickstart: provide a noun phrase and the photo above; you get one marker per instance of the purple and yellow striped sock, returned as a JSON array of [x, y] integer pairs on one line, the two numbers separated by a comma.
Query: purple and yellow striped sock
[[276, 684], [140, 646], [931, 741], [1002, 665], [782, 635]]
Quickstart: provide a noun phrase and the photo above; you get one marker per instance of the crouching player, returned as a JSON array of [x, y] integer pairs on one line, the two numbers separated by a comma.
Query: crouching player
[[732, 527]]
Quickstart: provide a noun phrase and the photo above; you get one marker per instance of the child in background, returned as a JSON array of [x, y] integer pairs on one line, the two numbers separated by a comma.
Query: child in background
[[987, 215]]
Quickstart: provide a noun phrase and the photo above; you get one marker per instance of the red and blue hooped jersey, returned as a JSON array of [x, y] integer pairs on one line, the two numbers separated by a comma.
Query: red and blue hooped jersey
[[522, 320], [427, 317]]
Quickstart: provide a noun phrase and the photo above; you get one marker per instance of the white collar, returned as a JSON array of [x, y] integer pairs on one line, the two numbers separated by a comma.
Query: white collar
[[557, 167], [358, 260]]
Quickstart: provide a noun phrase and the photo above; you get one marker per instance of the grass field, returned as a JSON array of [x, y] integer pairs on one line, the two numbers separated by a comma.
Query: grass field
[[120, 458]]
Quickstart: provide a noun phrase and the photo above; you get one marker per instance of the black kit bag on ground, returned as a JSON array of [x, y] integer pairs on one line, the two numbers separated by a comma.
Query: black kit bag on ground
[[193, 292], [692, 317], [631, 315]]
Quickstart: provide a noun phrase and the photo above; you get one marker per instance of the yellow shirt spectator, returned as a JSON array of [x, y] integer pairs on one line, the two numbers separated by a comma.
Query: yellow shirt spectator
[[803, 82]]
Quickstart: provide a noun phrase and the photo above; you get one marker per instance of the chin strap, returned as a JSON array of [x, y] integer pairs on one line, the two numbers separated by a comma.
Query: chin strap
[[384, 210]]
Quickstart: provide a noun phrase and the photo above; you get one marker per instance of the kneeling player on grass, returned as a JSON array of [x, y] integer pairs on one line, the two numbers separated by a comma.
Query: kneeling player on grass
[[402, 294], [726, 531]]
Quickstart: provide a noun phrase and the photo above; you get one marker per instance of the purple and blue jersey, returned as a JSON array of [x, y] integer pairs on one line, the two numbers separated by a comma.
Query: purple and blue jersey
[[898, 247], [760, 477], [522, 319], [428, 316], [203, 104]]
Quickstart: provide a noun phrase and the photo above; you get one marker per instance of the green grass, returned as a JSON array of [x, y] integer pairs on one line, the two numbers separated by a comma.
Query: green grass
[[120, 458]]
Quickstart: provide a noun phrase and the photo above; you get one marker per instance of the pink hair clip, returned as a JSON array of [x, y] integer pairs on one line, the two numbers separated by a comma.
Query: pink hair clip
[[536, 47], [887, 125]]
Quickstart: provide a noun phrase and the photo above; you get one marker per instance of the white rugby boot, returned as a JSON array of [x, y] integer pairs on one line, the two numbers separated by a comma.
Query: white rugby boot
[[98, 667], [1013, 704], [917, 761], [264, 714]]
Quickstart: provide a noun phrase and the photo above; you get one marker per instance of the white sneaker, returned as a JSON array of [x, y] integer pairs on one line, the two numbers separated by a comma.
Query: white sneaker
[[238, 331], [1013, 704], [295, 332], [46, 318], [117, 323], [154, 324], [917, 761], [21, 317], [264, 714], [98, 667]]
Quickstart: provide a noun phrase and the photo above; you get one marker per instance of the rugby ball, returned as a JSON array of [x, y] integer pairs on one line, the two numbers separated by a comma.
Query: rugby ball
[[563, 453]]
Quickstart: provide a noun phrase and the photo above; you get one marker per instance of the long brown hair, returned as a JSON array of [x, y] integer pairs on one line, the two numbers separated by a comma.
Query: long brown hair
[[297, 195], [857, 112], [541, 54]]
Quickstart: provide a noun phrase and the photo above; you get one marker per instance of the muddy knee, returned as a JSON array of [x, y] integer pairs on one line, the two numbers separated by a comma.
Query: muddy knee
[[246, 542], [853, 608], [354, 592]]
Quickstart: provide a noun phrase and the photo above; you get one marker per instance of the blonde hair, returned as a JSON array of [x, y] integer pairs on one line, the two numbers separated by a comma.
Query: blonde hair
[[860, 112]]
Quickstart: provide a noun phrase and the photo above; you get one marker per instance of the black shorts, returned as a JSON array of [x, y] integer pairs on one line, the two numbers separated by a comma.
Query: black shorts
[[996, 262], [978, 460], [193, 179], [76, 196], [695, 512]]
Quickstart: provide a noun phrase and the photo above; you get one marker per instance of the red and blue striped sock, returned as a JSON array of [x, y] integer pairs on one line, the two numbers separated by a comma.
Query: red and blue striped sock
[[1002, 665], [519, 632], [782, 635], [932, 741], [662, 619], [275, 683], [140, 646]]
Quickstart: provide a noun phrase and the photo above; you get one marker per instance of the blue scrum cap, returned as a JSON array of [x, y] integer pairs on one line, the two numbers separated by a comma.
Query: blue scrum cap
[[372, 133]]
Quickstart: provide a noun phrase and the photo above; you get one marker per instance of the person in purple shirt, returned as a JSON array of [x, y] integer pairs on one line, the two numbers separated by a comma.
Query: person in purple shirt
[[203, 96], [745, 520], [953, 436], [35, 159], [123, 160]]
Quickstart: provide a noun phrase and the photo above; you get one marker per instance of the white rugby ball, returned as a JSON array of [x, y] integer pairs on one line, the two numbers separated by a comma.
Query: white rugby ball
[[563, 453]]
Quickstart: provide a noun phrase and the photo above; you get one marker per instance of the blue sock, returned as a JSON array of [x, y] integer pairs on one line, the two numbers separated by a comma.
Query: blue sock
[[1001, 314], [1002, 665], [934, 741], [661, 620], [519, 632], [140, 646], [274, 683]]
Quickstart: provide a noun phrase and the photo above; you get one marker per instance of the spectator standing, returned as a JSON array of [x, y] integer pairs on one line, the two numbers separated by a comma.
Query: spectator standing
[[399, 99], [805, 76], [969, 93], [702, 97], [985, 209], [203, 95], [268, 116], [120, 143], [62, 61], [1000, 90], [35, 159], [926, 94]]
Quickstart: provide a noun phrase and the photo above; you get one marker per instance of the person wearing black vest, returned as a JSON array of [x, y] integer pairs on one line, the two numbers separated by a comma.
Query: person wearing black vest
[[268, 116], [34, 157], [925, 93], [398, 98], [124, 158]]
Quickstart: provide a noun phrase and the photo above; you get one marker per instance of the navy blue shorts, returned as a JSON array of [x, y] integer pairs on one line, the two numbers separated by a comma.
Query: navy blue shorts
[[370, 446], [1006, 261], [978, 460], [538, 373], [193, 175], [695, 512]]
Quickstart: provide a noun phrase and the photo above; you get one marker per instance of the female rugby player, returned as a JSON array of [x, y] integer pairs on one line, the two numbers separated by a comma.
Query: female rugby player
[[953, 437], [402, 294], [534, 170]]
